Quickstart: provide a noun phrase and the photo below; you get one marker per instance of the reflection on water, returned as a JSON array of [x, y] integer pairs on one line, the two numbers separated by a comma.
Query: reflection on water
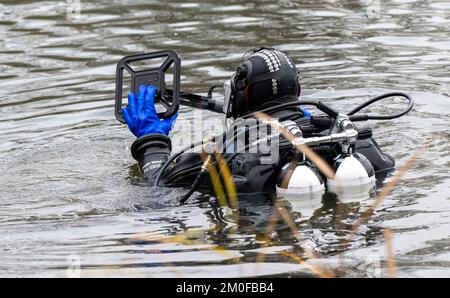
[[70, 195]]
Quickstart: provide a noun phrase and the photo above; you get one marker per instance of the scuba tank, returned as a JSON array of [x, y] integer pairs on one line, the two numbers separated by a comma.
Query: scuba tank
[[354, 174], [300, 179]]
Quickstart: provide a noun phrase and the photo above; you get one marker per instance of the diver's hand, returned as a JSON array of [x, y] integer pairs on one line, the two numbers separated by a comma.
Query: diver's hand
[[141, 116]]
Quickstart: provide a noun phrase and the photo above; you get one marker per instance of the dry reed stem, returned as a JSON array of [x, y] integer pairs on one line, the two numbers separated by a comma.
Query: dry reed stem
[[313, 269], [301, 240], [313, 157], [215, 181], [387, 189], [224, 170], [261, 257], [390, 253], [310, 154]]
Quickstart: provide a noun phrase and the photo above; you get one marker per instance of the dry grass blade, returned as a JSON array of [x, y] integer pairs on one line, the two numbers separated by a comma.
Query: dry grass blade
[[301, 240], [215, 180], [181, 238], [225, 172], [184, 239], [321, 164], [171, 267], [310, 154], [388, 188], [293, 227], [261, 257], [390, 253], [280, 210], [313, 269]]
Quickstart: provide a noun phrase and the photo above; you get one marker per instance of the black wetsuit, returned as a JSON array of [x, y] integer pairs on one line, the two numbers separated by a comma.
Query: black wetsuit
[[250, 176]]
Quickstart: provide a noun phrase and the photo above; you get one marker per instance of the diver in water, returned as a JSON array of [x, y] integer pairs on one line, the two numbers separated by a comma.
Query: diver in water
[[264, 80]]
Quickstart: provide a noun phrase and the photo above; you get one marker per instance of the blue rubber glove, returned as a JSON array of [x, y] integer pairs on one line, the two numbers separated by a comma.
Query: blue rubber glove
[[141, 116]]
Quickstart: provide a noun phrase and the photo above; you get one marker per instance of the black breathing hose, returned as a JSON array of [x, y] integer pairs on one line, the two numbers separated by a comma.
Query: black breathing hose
[[175, 156], [378, 117], [198, 179]]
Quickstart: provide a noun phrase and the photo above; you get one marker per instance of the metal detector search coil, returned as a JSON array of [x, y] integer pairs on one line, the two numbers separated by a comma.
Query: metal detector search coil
[[170, 99]]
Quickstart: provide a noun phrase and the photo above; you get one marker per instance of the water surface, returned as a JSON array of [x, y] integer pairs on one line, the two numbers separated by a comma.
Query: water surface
[[70, 191]]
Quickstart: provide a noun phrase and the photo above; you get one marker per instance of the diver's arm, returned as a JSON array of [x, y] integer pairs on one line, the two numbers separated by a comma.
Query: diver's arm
[[151, 152], [152, 146]]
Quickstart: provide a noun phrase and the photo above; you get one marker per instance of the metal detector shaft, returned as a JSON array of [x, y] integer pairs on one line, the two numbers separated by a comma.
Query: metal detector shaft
[[214, 104]]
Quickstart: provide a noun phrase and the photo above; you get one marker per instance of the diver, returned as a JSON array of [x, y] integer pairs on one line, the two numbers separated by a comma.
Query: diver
[[263, 81]]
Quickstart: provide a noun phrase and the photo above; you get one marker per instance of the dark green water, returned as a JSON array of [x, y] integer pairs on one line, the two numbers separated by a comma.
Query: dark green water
[[69, 192]]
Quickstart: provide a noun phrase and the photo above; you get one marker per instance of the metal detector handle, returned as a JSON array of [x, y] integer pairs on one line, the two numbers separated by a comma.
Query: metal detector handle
[[153, 76]]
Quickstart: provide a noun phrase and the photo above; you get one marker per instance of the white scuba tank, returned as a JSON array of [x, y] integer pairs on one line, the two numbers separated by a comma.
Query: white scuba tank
[[302, 186], [299, 179], [355, 175]]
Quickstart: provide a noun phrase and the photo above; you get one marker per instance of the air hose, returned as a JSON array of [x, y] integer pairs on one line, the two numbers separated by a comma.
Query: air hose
[[378, 98], [324, 121], [198, 179], [175, 156]]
